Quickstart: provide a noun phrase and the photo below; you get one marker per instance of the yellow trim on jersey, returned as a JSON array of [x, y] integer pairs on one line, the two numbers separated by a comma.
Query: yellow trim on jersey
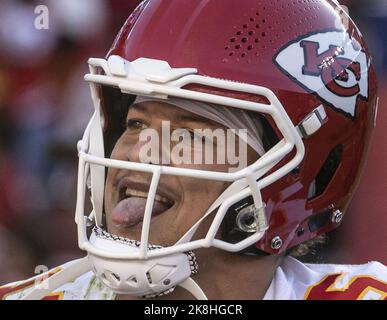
[[353, 279], [383, 294], [32, 280], [306, 295], [60, 295], [339, 277]]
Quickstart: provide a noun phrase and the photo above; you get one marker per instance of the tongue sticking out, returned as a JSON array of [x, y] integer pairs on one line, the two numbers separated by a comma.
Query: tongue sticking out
[[130, 211]]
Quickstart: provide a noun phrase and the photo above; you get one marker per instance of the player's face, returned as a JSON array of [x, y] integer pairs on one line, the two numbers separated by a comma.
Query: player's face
[[180, 201]]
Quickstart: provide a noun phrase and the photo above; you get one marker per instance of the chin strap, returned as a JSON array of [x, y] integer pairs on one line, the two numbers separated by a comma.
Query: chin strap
[[192, 287], [189, 284]]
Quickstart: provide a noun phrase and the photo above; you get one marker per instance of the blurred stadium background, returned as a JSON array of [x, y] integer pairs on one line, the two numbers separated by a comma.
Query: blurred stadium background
[[45, 104]]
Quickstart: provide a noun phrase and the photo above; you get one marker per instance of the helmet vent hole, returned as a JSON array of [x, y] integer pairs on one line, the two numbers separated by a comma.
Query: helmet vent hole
[[149, 277], [110, 278], [246, 35], [326, 173], [115, 276], [262, 27], [132, 282]]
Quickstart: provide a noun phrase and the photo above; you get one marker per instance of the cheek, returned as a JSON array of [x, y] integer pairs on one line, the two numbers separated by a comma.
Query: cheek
[[117, 154], [118, 150], [108, 197], [110, 174], [198, 196]]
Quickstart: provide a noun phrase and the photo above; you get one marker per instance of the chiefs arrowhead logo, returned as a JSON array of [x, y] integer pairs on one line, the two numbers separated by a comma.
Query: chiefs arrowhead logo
[[329, 64]]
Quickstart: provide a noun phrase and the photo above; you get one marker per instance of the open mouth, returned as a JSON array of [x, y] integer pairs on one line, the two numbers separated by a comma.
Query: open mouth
[[125, 193], [132, 199]]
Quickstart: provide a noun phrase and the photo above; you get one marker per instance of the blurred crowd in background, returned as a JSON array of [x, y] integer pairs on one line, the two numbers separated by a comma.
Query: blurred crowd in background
[[45, 105]]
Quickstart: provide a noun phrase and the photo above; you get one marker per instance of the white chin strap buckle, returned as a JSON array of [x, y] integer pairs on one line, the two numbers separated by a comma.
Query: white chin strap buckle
[[143, 278]]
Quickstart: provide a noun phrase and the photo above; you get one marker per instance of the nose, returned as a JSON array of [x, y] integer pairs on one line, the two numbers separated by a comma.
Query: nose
[[151, 146]]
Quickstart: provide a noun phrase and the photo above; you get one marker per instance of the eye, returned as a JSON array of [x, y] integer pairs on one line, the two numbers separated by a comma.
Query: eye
[[135, 125]]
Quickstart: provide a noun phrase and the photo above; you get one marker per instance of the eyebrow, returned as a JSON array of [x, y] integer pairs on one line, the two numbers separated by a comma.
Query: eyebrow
[[181, 118]]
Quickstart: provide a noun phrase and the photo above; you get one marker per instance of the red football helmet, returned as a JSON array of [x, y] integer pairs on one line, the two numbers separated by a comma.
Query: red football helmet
[[309, 54], [303, 65]]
